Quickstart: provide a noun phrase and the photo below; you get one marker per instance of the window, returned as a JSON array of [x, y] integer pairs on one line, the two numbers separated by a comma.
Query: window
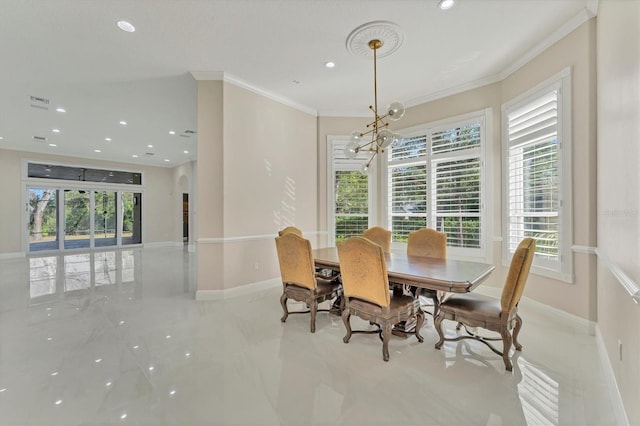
[[435, 178], [349, 193], [537, 157]]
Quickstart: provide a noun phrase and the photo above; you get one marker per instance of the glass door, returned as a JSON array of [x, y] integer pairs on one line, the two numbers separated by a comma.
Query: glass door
[[77, 227], [43, 219], [131, 218], [105, 223]]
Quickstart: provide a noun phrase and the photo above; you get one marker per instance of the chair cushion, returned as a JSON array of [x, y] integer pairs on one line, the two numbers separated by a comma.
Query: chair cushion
[[473, 305], [397, 303], [326, 286]]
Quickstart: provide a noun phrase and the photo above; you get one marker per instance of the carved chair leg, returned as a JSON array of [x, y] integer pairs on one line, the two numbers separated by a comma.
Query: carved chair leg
[[386, 333], [419, 322], [506, 348], [516, 331], [314, 310], [436, 303], [283, 302], [437, 322], [347, 324]]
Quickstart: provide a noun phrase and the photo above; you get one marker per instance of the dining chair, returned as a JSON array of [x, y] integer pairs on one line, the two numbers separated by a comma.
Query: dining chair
[[427, 242], [299, 279], [366, 291], [380, 236], [288, 229], [475, 310]]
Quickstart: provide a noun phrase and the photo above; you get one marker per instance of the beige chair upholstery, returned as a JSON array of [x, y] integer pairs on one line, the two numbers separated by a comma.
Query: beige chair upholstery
[[299, 281], [380, 236], [366, 291], [428, 242], [288, 229], [475, 310]]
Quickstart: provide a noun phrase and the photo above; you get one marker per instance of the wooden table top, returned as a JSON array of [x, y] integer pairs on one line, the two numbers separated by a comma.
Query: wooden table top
[[455, 276]]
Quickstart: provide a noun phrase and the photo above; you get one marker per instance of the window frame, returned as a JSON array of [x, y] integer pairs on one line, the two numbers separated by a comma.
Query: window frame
[[485, 252], [562, 269], [337, 142]]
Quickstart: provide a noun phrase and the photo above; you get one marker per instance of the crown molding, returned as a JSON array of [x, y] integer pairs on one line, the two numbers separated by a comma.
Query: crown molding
[[228, 78]]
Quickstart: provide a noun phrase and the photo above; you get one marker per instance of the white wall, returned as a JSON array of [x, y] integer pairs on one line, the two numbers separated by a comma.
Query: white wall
[[618, 44]]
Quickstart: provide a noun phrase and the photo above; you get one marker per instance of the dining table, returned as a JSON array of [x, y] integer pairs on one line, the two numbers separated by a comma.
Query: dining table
[[448, 275]]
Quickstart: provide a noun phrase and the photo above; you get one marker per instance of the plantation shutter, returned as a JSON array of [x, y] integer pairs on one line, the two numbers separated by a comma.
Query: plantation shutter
[[351, 195], [456, 182], [533, 185]]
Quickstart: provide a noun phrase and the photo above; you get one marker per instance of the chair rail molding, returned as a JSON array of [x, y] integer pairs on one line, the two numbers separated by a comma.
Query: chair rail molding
[[625, 280], [223, 240]]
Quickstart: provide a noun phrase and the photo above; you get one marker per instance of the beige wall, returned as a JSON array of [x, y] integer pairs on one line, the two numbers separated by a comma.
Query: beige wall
[[159, 200], [618, 44], [577, 50], [269, 181]]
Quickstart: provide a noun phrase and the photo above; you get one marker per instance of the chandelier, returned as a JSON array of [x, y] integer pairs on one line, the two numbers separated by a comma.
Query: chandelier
[[377, 136]]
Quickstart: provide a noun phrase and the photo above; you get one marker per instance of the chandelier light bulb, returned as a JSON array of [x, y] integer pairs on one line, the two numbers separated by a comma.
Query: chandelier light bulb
[[395, 111], [356, 137], [351, 150], [365, 168], [384, 138]]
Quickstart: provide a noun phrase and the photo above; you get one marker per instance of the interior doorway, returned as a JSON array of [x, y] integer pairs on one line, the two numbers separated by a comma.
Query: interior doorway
[[185, 217]]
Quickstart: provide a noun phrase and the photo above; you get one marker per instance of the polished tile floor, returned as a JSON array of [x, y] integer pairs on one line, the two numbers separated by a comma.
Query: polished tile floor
[[116, 338]]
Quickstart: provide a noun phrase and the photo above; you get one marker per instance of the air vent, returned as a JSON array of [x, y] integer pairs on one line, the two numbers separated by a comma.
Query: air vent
[[39, 138], [149, 154], [38, 102], [190, 132]]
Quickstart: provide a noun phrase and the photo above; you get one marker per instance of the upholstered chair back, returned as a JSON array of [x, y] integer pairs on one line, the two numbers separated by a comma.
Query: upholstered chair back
[[296, 260], [291, 229], [364, 271], [518, 273], [427, 242], [380, 236]]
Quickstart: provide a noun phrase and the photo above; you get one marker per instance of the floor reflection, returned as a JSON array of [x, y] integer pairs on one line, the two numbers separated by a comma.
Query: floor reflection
[[539, 395], [77, 272]]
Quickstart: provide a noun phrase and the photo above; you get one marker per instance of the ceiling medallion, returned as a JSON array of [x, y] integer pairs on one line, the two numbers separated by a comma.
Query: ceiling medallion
[[387, 32]]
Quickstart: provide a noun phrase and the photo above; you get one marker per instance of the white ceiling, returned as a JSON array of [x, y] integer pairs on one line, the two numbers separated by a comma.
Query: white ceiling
[[72, 53]]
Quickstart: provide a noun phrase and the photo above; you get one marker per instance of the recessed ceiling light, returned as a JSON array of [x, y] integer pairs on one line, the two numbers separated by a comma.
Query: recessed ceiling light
[[107, 139], [186, 152], [60, 109], [52, 144], [123, 123], [446, 4], [171, 132], [134, 156], [166, 160], [1, 138], [330, 64], [97, 150], [55, 130], [126, 26], [149, 146]]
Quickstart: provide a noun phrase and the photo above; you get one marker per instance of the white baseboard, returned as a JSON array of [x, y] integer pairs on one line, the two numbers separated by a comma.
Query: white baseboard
[[616, 398], [243, 290], [16, 255], [163, 244]]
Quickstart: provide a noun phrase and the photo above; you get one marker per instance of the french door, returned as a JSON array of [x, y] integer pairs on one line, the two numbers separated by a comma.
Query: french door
[[67, 219]]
